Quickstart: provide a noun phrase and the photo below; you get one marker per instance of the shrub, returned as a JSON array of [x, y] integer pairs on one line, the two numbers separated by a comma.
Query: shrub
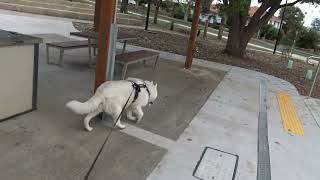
[[308, 39], [179, 11], [269, 32]]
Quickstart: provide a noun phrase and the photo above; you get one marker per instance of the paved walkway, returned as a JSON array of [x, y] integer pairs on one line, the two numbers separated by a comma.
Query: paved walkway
[[228, 121]]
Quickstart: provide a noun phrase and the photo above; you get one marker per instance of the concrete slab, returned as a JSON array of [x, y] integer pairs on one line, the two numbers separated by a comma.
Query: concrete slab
[[51, 143], [126, 157], [226, 122], [314, 107], [181, 94]]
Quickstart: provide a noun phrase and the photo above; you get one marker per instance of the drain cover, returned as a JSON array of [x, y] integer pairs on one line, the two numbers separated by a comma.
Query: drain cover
[[216, 165]]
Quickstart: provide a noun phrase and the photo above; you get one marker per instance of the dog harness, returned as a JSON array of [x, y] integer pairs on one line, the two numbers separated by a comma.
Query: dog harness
[[137, 88]]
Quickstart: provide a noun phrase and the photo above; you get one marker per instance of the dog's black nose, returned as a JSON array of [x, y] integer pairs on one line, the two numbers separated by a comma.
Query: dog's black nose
[[150, 103]]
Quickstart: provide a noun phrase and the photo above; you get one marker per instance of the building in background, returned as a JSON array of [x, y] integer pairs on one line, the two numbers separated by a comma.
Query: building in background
[[215, 18], [275, 20]]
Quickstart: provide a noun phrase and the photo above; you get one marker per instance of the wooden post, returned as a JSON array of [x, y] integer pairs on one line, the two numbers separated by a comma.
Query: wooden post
[[193, 34], [97, 15], [107, 9]]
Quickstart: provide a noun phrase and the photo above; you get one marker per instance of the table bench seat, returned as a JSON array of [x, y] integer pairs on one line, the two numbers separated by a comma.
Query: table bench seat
[[136, 56], [66, 45]]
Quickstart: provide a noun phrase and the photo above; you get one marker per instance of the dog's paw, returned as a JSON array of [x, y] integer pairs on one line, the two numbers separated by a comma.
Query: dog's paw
[[121, 126], [138, 121], [89, 129], [132, 118]]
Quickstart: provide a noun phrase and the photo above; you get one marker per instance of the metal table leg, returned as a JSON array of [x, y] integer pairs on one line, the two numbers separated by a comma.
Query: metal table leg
[[124, 46], [89, 48]]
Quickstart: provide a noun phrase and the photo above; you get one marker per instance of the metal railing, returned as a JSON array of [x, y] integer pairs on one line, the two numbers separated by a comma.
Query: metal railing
[[314, 58]]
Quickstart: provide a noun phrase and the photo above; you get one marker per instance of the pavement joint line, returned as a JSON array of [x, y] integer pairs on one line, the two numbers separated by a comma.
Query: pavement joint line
[[263, 165], [148, 136], [311, 111]]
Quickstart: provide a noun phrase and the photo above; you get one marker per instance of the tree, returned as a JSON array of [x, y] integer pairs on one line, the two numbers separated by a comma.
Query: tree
[[205, 6], [205, 10], [222, 14], [241, 29], [293, 19], [316, 24], [293, 24], [308, 38], [187, 9], [157, 4], [124, 7]]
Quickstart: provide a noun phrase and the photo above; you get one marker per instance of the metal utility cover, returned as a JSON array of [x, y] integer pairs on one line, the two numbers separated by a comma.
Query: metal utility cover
[[216, 165]]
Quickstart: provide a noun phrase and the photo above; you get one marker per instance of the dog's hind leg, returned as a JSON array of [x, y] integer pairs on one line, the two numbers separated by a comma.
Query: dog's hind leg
[[88, 118]]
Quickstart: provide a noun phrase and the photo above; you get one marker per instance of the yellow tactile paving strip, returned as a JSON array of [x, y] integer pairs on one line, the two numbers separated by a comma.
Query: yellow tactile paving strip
[[290, 119]]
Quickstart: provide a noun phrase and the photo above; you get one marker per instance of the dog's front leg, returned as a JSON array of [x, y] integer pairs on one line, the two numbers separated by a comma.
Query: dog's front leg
[[139, 113], [116, 116], [129, 114]]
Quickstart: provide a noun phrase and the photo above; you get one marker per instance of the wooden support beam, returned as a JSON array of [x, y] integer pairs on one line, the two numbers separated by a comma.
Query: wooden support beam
[[107, 9], [193, 34], [97, 15]]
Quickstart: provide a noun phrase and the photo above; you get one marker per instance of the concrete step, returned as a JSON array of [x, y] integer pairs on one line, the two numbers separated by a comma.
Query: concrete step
[[46, 11], [51, 5]]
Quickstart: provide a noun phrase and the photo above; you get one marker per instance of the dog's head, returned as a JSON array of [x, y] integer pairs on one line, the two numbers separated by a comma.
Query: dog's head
[[153, 88]]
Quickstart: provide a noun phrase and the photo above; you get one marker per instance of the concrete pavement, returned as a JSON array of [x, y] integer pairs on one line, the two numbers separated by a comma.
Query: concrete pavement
[[50, 143], [228, 121]]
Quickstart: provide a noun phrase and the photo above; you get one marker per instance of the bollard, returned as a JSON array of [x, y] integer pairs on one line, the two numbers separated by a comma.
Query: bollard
[[290, 64], [309, 74], [171, 25]]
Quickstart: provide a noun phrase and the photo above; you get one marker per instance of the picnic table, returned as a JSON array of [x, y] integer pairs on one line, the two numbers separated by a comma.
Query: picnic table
[[91, 35], [125, 58]]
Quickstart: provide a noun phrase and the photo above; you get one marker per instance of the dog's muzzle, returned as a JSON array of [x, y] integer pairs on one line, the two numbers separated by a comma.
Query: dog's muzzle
[[150, 103]]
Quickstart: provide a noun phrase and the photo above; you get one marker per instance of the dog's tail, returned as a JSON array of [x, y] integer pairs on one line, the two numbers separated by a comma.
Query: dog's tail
[[84, 108]]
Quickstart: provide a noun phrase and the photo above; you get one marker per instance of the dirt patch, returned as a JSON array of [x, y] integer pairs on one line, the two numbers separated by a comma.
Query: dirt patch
[[211, 50]]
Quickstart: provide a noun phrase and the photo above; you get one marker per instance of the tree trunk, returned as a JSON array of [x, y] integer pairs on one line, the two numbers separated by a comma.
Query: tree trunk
[[236, 46], [124, 7], [238, 38], [205, 29], [186, 14], [220, 33], [155, 19]]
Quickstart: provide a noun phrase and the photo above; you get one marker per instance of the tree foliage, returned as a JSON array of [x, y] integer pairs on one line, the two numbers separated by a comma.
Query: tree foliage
[[316, 24], [293, 24], [293, 19], [308, 38], [205, 6], [269, 32]]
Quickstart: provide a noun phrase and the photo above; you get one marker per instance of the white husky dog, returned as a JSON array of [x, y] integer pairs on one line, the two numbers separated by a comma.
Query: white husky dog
[[111, 98]]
